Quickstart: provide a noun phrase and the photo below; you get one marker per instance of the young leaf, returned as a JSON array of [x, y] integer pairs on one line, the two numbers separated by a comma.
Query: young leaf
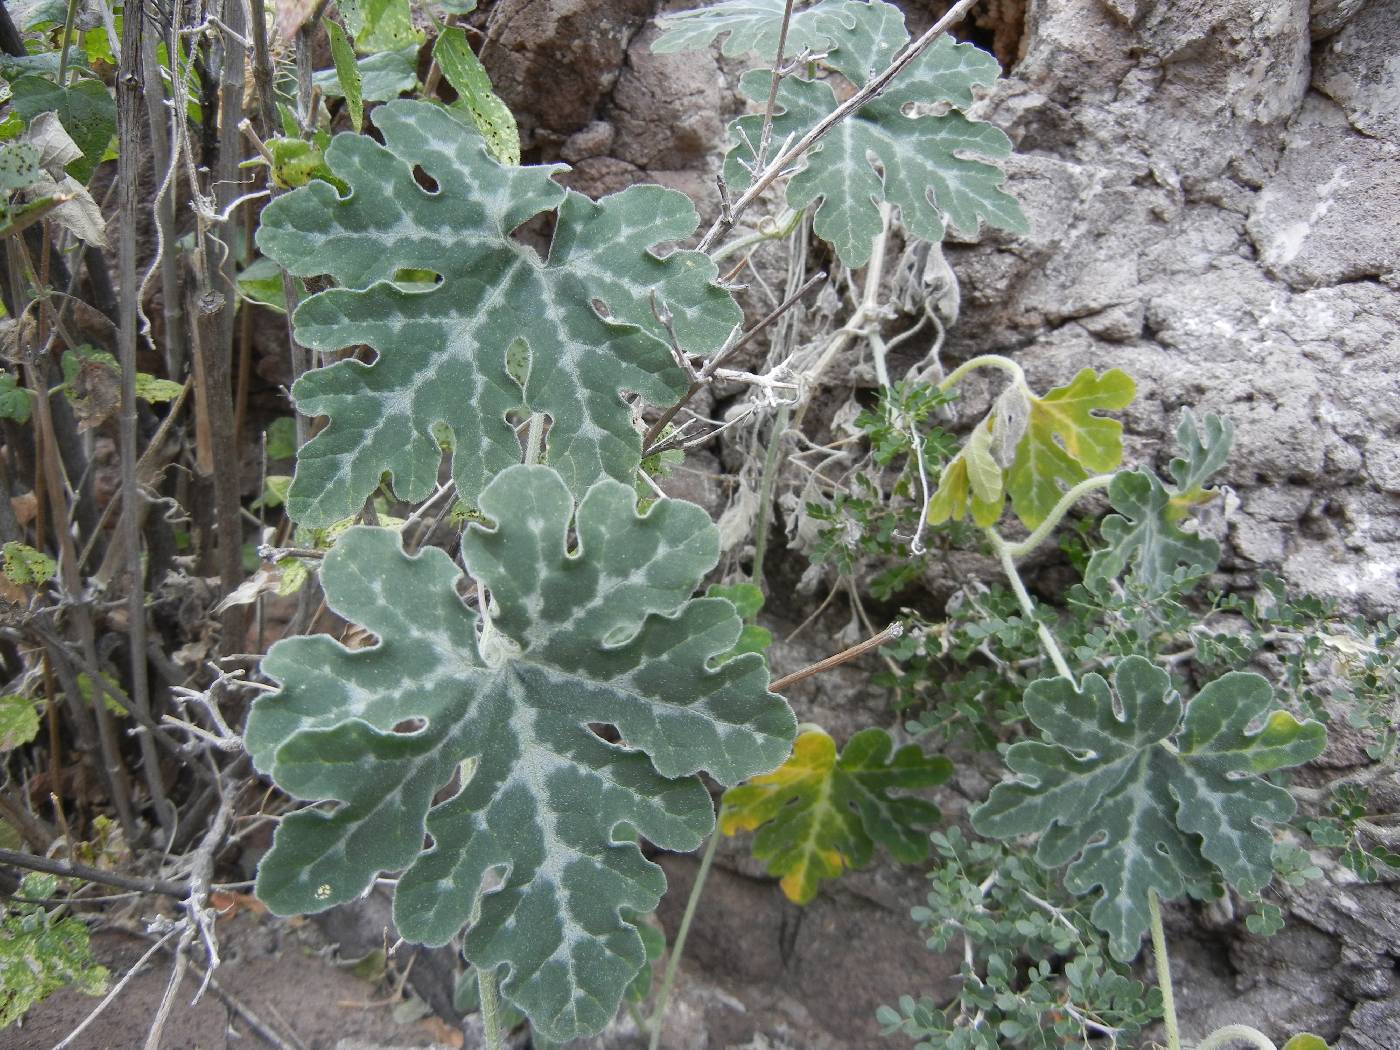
[[1065, 441], [1143, 799], [921, 164], [1145, 534], [753, 26], [818, 815], [19, 722], [16, 402], [347, 73], [971, 481], [488, 114], [600, 635], [443, 352]]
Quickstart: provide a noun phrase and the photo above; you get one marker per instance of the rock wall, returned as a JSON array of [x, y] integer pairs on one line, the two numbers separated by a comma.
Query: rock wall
[[1214, 189]]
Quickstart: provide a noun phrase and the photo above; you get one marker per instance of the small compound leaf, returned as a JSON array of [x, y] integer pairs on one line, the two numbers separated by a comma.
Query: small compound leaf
[[753, 27], [818, 815], [488, 114], [1144, 536], [347, 73], [535, 847], [1065, 441], [1134, 800], [443, 352], [924, 163]]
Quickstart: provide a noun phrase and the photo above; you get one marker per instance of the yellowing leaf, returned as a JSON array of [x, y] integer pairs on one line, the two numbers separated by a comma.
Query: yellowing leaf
[[1065, 441], [971, 481], [817, 815]]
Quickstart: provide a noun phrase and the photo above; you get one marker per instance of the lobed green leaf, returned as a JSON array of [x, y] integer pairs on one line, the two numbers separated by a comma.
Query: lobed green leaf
[[1135, 798], [504, 331], [532, 847]]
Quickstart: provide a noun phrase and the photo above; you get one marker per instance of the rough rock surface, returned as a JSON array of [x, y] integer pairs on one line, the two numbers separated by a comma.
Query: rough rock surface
[[1215, 198]]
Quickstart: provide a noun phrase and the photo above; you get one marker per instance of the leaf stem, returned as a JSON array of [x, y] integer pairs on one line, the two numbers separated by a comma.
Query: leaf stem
[[1057, 513], [1164, 970], [1243, 1033], [490, 1009], [673, 964], [67, 42], [997, 361], [769, 229], [534, 438], [1023, 598]]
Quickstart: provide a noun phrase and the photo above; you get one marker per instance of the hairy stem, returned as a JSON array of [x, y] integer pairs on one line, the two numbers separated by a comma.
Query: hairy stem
[[490, 1009], [1057, 514], [1164, 970], [1004, 364], [1023, 598], [673, 964]]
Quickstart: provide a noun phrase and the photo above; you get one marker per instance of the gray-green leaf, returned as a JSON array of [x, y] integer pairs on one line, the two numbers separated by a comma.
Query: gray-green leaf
[[924, 162], [383, 75], [1139, 799], [501, 714], [347, 73], [1145, 536], [753, 26], [442, 353]]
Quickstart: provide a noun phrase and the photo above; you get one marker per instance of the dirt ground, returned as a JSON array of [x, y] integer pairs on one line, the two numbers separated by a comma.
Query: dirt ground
[[282, 974]]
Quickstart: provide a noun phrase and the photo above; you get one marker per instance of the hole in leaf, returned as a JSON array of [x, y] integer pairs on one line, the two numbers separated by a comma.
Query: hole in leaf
[[425, 181], [411, 725], [536, 233], [416, 280], [608, 734], [518, 362]]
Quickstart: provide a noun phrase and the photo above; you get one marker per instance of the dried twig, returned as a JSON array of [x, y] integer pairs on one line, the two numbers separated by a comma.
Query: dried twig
[[82, 871], [708, 370], [889, 634]]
